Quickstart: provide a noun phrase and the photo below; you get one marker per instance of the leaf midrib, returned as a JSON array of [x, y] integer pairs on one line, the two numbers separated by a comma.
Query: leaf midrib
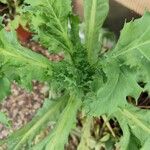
[[134, 119], [73, 103], [64, 35], [25, 58], [38, 123], [137, 46], [133, 48], [91, 29]]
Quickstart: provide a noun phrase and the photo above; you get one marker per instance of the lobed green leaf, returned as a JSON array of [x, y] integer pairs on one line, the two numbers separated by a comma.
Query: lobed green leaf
[[133, 47], [119, 84], [58, 138], [21, 64], [50, 22], [95, 12], [135, 124], [49, 112]]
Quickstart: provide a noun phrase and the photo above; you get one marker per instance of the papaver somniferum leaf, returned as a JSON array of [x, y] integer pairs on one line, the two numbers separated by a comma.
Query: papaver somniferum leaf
[[86, 78]]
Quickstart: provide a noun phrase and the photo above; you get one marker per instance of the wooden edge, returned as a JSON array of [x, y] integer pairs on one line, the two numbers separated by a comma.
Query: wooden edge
[[139, 6]]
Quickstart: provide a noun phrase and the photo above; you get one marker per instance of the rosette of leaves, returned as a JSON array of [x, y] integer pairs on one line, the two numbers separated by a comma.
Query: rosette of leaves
[[87, 80]]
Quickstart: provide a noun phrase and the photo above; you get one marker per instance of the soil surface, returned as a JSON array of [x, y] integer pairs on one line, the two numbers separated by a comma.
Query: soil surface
[[21, 106]]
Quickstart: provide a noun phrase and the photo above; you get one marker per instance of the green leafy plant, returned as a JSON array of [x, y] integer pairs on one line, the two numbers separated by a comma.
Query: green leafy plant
[[87, 80]]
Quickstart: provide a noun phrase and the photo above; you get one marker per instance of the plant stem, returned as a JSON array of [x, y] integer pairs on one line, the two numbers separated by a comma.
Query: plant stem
[[108, 125]]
